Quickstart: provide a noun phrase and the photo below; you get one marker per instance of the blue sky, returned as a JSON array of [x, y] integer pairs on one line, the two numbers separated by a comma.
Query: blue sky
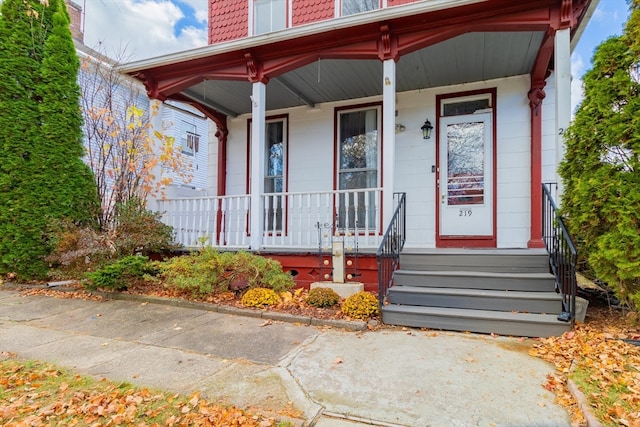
[[189, 20], [608, 20]]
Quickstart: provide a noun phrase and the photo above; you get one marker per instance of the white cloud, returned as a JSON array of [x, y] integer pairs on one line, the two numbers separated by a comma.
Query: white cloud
[[201, 8], [146, 28], [577, 90]]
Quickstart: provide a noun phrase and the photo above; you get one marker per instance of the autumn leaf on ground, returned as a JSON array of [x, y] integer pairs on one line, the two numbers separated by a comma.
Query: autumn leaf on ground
[[39, 394], [605, 368]]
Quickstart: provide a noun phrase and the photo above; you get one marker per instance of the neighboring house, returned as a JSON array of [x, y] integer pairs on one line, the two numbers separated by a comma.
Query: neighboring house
[[105, 89], [190, 129], [325, 109]]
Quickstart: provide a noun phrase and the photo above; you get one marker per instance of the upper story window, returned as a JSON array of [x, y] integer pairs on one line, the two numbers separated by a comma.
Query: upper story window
[[189, 139], [351, 7], [269, 15]]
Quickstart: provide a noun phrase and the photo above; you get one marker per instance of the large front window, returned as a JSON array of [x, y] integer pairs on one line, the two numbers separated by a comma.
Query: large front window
[[351, 7], [274, 180], [269, 15], [357, 166]]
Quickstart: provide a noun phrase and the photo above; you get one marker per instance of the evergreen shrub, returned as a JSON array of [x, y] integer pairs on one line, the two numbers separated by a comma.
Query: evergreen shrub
[[209, 271], [119, 274], [322, 297], [601, 169]]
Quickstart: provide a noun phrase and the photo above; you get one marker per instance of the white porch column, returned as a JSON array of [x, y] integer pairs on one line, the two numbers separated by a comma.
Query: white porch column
[[562, 58], [388, 138], [256, 185]]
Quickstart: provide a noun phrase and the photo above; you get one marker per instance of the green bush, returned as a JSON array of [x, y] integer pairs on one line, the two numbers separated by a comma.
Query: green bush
[[117, 275], [209, 271], [259, 297], [361, 306], [201, 272], [322, 297]]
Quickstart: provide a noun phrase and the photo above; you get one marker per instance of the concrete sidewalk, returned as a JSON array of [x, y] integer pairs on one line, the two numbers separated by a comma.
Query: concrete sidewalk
[[335, 378]]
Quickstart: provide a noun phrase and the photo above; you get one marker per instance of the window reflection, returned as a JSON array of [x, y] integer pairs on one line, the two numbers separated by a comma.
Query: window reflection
[[465, 163], [358, 167]]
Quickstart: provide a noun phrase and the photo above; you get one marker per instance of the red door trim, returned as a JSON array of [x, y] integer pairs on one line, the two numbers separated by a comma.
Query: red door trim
[[467, 241]]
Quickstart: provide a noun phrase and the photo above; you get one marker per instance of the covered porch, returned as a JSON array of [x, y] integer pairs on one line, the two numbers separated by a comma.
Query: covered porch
[[319, 126], [404, 60]]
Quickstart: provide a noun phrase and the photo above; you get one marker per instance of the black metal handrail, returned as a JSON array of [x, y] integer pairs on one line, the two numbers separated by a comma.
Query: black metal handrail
[[388, 253], [563, 255]]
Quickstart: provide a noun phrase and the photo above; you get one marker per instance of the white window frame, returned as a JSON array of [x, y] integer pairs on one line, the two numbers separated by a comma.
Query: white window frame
[[189, 138], [253, 30], [267, 155], [348, 219]]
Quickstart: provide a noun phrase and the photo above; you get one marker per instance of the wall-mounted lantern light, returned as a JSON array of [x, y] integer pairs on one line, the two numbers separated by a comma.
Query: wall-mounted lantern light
[[426, 129]]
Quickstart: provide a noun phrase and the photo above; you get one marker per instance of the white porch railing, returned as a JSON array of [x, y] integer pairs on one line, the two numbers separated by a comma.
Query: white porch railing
[[291, 220], [211, 221]]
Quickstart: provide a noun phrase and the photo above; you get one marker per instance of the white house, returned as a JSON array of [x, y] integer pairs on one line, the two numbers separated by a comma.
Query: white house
[[326, 110]]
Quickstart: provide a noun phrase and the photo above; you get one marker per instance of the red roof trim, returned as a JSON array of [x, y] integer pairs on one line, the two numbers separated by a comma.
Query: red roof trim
[[374, 40]]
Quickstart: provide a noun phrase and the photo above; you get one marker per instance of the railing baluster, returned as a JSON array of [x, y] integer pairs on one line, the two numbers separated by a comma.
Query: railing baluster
[[290, 218]]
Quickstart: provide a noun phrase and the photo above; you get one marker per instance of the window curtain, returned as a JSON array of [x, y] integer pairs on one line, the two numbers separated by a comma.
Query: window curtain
[[350, 7]]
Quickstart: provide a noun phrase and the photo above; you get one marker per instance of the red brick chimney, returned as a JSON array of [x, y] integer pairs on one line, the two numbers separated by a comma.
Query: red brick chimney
[[75, 14]]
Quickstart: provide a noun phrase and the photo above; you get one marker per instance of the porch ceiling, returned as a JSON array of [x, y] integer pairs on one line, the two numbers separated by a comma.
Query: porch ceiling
[[467, 58]]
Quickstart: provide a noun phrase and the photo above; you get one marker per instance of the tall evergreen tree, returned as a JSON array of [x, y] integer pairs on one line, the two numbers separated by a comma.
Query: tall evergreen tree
[[601, 170], [68, 185], [26, 209]]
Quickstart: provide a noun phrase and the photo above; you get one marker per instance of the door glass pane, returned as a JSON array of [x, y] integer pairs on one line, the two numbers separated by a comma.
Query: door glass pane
[[465, 163], [465, 107]]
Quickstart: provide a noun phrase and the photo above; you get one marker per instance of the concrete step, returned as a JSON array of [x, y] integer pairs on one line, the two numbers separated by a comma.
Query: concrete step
[[480, 321], [533, 282], [494, 260], [478, 299]]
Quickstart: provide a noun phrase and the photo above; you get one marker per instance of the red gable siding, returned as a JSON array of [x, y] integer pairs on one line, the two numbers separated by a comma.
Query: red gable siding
[[228, 20], [306, 11]]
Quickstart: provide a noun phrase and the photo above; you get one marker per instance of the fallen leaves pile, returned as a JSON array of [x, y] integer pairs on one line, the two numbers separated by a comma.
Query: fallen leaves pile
[[39, 394], [66, 294], [293, 302], [605, 367]]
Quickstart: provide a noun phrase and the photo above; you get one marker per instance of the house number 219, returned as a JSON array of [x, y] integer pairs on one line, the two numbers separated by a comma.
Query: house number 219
[[465, 212]]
